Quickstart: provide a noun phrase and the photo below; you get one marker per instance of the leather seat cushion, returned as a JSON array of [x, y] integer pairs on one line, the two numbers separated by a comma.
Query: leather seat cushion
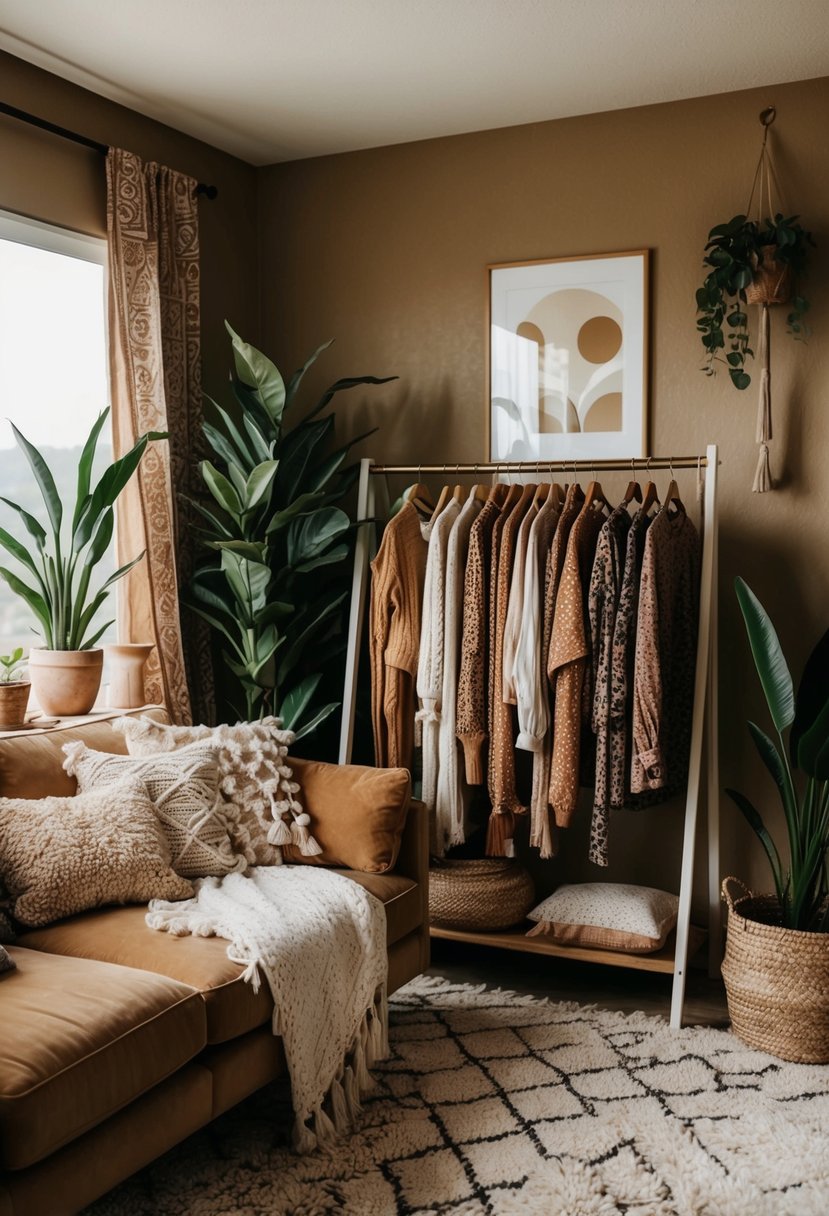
[[80, 1040]]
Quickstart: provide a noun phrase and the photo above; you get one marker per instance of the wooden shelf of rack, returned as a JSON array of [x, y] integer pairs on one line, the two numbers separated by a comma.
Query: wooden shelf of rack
[[516, 939]]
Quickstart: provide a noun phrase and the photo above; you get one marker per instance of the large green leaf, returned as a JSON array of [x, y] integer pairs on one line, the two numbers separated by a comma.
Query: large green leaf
[[44, 479], [258, 485], [339, 385], [296, 378], [300, 506], [754, 820], [319, 617], [294, 703], [109, 487], [246, 449], [812, 693], [35, 601], [322, 474], [85, 465], [296, 452], [257, 372], [812, 751], [307, 727], [32, 525], [18, 550], [221, 489], [310, 535], [102, 537], [337, 554], [769, 659]]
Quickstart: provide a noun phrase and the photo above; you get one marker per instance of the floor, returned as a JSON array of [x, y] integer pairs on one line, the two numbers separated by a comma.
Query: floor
[[589, 984]]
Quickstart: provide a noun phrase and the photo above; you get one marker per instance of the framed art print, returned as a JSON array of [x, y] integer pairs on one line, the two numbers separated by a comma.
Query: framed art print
[[568, 350]]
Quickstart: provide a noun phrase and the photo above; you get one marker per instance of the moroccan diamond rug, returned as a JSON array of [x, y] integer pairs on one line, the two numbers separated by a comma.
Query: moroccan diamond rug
[[499, 1104]]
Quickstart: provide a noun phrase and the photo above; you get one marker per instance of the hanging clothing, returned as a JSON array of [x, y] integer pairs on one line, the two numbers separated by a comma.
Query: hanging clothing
[[666, 645], [540, 827], [515, 606], [622, 667], [568, 664], [602, 607], [398, 573], [431, 658], [529, 670], [472, 682], [501, 771], [450, 802]]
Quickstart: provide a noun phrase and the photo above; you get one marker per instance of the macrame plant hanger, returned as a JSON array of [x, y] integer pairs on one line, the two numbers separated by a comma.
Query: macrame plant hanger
[[771, 285]]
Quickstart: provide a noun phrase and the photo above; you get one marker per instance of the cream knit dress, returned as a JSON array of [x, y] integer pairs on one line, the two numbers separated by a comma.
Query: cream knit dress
[[451, 801]]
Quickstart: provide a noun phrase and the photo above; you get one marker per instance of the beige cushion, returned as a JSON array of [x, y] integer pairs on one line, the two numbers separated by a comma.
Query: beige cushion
[[80, 1040], [6, 961], [183, 786], [357, 814], [254, 778], [62, 855], [607, 915]]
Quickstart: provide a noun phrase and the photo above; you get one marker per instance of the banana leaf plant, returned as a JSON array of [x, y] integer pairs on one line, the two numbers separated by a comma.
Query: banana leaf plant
[[800, 770], [61, 563], [273, 586]]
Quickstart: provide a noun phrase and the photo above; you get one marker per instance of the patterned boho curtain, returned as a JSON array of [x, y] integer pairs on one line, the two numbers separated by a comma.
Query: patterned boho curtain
[[155, 382]]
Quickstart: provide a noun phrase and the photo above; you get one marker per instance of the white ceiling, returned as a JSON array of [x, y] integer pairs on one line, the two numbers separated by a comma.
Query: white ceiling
[[273, 80]]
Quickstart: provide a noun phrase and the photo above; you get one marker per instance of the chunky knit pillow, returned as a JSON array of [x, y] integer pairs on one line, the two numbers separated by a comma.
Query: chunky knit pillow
[[262, 808], [185, 791], [59, 856]]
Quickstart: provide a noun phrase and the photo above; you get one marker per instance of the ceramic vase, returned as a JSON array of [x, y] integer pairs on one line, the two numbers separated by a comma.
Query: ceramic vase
[[65, 682], [125, 667]]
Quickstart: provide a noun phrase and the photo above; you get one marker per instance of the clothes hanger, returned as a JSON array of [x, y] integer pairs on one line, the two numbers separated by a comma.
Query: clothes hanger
[[651, 497], [672, 497], [498, 492], [634, 490], [595, 497], [419, 496], [443, 498]]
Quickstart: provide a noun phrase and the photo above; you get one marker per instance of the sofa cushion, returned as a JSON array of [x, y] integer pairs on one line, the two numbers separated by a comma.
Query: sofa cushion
[[121, 935], [80, 1040], [357, 814], [59, 856]]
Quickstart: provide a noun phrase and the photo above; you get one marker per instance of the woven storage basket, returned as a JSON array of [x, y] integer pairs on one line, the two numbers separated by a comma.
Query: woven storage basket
[[776, 980], [485, 894], [772, 283]]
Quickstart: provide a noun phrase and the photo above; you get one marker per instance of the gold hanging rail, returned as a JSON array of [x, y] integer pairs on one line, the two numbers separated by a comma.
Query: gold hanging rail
[[639, 464]]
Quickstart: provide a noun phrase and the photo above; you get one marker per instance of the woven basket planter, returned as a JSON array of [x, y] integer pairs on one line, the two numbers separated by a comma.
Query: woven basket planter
[[776, 980], [772, 282], [486, 894]]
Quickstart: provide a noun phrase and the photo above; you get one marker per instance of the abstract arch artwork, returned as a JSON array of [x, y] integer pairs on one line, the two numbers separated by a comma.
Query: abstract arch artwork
[[568, 352]]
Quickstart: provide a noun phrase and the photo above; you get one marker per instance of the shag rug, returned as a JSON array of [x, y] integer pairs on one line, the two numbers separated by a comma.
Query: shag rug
[[493, 1103]]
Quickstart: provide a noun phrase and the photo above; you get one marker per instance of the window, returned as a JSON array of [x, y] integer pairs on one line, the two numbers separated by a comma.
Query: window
[[53, 380]]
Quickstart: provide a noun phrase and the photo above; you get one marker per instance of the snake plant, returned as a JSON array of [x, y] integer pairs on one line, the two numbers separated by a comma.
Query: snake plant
[[60, 563], [800, 771], [272, 585]]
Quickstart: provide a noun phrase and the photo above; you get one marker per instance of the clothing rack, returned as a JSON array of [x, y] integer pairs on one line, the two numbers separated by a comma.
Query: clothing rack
[[673, 959]]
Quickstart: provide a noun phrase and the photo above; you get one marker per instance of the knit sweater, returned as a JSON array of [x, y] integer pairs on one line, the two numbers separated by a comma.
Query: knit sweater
[[398, 573]]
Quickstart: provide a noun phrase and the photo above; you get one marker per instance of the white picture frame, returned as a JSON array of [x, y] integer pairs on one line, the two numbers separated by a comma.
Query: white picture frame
[[568, 358]]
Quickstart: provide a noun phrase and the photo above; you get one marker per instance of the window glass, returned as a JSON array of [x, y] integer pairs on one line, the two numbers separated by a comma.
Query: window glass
[[53, 384]]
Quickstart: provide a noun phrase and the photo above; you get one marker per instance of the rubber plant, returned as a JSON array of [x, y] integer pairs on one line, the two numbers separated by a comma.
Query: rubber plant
[[61, 563], [799, 770], [272, 583]]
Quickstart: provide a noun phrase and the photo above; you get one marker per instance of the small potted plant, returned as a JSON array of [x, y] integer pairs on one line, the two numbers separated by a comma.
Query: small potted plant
[[14, 690], [776, 966], [749, 262], [57, 569]]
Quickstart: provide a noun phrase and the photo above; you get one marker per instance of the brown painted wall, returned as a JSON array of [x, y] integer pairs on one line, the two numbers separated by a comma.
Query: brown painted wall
[[386, 250], [62, 183]]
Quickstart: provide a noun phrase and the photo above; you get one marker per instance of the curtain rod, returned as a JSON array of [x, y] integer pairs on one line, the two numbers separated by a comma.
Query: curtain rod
[[210, 192], [641, 464]]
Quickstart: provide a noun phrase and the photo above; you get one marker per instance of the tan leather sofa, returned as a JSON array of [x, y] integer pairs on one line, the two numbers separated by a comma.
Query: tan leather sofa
[[116, 1041]]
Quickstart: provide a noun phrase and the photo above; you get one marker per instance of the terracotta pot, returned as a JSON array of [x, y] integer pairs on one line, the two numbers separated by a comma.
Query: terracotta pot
[[14, 701], [125, 669], [66, 682], [772, 280]]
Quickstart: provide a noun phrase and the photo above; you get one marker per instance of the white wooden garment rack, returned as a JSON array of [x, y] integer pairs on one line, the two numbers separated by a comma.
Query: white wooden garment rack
[[673, 959]]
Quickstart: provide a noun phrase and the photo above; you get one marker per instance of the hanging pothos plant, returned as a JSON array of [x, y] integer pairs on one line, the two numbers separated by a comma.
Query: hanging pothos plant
[[272, 586]]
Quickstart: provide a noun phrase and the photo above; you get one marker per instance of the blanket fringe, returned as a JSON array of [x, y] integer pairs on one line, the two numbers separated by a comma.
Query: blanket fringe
[[319, 1129]]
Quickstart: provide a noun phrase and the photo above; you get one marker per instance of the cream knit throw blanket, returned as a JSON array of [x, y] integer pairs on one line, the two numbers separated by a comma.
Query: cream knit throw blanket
[[320, 941]]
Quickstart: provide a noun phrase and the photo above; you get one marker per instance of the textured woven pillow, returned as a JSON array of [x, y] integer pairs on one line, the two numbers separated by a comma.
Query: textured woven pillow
[[358, 813], [59, 856], [256, 781], [607, 915], [184, 790]]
